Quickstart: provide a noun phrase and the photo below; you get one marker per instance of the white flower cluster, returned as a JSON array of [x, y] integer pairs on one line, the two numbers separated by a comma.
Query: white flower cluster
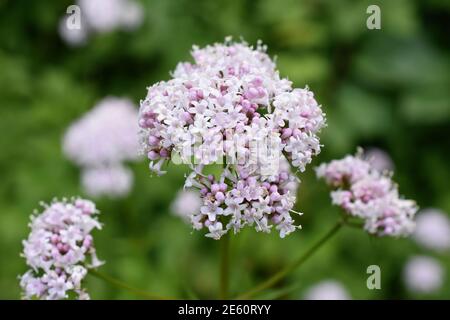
[[100, 16], [232, 104], [364, 192], [59, 250], [100, 142]]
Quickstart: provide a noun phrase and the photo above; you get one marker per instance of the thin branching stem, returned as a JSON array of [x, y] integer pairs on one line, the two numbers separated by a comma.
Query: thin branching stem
[[273, 280]]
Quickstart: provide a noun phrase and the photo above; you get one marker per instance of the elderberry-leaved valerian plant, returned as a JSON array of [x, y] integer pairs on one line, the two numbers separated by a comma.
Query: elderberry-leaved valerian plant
[[231, 106], [60, 250]]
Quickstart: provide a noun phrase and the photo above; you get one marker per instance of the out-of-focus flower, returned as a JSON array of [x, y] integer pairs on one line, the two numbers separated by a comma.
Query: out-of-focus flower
[[73, 37], [364, 192], [379, 159], [108, 134], [186, 203], [113, 181], [100, 142], [327, 290], [231, 103], [433, 229], [423, 274], [60, 250], [101, 16], [132, 15], [108, 15]]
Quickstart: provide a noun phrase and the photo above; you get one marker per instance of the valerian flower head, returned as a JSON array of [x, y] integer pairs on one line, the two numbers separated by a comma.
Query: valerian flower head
[[366, 193], [231, 94], [231, 104], [107, 134], [60, 249]]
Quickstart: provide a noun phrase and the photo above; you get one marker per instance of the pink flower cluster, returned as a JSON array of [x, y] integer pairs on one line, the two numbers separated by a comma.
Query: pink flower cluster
[[59, 250], [230, 97], [232, 104], [237, 199], [364, 192]]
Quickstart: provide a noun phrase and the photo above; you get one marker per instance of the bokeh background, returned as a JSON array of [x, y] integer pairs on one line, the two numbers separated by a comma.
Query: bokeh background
[[385, 88]]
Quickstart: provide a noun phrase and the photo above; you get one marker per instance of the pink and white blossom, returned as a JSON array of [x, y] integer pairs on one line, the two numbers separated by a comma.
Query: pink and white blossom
[[60, 250], [231, 105], [230, 99], [236, 200], [366, 193]]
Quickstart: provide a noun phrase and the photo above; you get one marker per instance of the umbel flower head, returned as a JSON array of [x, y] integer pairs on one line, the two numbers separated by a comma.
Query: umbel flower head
[[231, 96], [60, 249], [232, 104], [366, 193]]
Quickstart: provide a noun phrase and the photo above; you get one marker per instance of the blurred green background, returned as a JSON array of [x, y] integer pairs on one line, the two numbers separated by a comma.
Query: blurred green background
[[386, 88]]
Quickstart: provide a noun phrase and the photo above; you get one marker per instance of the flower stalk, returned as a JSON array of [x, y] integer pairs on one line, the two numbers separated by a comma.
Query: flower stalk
[[273, 280]]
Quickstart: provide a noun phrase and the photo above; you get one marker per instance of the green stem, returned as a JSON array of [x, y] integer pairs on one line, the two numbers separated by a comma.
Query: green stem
[[224, 265], [125, 286], [355, 224], [291, 267]]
